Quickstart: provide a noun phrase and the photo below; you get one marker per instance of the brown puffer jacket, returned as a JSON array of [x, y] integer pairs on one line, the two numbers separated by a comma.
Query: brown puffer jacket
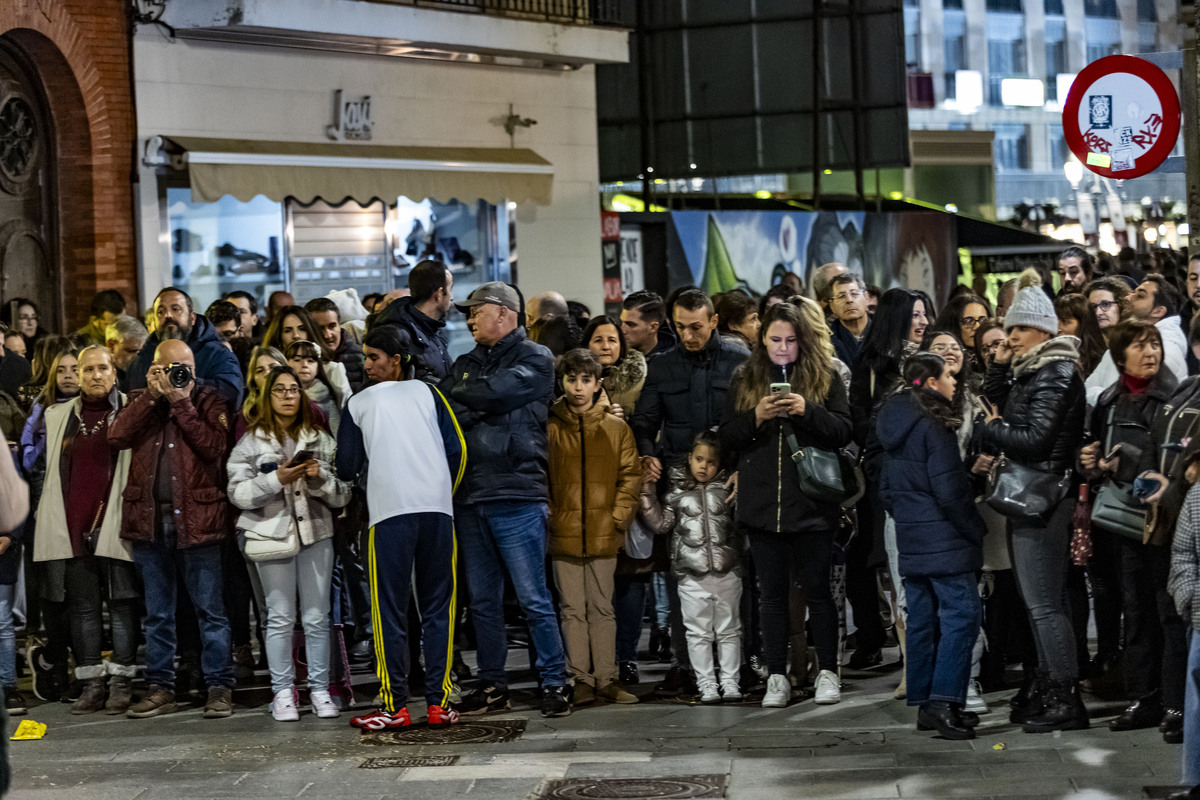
[[196, 433], [593, 455]]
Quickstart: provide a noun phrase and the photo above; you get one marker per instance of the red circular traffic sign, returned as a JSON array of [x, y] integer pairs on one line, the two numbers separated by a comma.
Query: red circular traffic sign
[[1121, 118]]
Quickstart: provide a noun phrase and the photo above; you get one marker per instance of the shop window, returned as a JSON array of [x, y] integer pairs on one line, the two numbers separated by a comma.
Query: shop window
[[1006, 51], [1011, 147]]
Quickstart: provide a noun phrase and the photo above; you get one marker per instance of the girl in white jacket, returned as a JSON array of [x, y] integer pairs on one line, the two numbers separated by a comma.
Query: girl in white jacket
[[286, 496]]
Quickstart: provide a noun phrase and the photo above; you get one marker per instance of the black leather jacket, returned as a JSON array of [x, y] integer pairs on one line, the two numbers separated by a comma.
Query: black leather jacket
[[1132, 417], [501, 396], [1043, 407]]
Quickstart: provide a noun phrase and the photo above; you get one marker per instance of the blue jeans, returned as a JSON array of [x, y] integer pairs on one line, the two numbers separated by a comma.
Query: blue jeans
[[629, 601], [157, 564], [496, 537], [8, 638], [944, 615], [1191, 714]]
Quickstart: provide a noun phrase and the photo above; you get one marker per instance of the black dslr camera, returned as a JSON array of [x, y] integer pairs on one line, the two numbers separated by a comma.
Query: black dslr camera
[[179, 375]]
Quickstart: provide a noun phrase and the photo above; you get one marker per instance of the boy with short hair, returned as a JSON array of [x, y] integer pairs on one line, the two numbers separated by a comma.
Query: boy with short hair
[[595, 476]]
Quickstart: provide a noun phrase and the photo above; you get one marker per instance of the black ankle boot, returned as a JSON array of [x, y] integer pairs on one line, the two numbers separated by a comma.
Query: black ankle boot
[[943, 718], [1063, 710], [1030, 701]]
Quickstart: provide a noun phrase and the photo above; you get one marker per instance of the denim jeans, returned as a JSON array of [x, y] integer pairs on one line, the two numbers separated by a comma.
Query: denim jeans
[[1039, 557], [944, 615], [1191, 714], [662, 599], [629, 601], [157, 564], [8, 639], [85, 581], [500, 537], [309, 572], [784, 559]]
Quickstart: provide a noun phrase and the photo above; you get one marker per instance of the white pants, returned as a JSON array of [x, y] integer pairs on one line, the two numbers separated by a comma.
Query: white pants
[[710, 608], [309, 573]]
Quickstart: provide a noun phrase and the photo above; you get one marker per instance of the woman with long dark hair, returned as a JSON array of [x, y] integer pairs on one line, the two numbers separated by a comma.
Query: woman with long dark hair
[[791, 534], [294, 323], [938, 538], [896, 331], [1037, 422], [1076, 319]]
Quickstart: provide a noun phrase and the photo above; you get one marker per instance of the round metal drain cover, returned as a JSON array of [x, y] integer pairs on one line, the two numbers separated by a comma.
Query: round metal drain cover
[[482, 732], [694, 786]]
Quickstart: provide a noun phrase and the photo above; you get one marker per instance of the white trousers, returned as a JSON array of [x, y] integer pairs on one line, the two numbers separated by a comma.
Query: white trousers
[[711, 614]]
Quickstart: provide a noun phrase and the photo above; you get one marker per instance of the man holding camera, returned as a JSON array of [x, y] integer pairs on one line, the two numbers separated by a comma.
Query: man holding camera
[[176, 516]]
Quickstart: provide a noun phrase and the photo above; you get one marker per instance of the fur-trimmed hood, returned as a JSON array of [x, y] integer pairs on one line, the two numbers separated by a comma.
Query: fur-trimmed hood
[[1059, 348], [625, 379]]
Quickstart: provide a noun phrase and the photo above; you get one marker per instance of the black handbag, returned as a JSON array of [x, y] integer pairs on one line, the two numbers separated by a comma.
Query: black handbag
[[1117, 511], [1016, 490], [825, 476]]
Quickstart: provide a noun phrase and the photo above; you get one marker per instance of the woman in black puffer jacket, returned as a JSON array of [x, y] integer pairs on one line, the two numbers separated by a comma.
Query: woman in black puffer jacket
[[1035, 379]]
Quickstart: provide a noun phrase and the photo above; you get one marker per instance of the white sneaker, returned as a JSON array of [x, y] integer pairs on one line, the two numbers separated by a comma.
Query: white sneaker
[[709, 695], [323, 705], [731, 691], [283, 707], [779, 692], [827, 689], [975, 701]]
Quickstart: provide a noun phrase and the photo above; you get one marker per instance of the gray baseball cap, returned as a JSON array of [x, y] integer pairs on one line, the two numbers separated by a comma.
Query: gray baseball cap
[[495, 292]]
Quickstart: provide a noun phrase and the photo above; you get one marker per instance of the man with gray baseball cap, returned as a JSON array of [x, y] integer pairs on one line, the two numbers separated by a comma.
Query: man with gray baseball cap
[[501, 393]]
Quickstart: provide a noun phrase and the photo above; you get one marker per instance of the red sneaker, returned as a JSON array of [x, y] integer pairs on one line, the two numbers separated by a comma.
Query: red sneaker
[[382, 720], [442, 717]]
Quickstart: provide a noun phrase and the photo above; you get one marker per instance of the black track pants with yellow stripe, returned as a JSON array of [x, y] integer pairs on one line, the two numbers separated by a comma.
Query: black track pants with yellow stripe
[[407, 553]]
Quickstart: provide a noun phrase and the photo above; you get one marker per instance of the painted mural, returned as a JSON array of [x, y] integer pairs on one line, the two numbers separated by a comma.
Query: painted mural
[[751, 249]]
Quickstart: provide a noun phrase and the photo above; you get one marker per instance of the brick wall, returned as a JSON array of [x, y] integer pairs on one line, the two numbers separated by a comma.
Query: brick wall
[[79, 49]]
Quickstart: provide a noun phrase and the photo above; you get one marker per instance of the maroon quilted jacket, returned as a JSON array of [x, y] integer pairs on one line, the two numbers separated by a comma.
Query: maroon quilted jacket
[[196, 432]]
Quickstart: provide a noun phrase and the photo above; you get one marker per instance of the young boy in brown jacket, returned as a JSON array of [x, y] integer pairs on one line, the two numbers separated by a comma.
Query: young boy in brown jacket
[[595, 476]]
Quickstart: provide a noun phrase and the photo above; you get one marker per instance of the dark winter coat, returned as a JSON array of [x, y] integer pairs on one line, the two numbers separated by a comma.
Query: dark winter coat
[[501, 396], [844, 343], [350, 355], [216, 365], [1132, 417], [769, 496], [424, 338], [1043, 406], [684, 394], [195, 432], [925, 487], [1174, 432]]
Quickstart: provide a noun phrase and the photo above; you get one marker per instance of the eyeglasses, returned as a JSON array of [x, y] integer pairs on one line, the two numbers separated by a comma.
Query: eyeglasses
[[285, 391], [972, 322], [991, 348], [29, 318], [1103, 305], [853, 294], [945, 348]]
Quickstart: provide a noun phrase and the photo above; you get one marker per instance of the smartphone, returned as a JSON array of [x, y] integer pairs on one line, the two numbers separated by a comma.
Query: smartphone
[[778, 389], [300, 458], [1144, 487], [1111, 454]]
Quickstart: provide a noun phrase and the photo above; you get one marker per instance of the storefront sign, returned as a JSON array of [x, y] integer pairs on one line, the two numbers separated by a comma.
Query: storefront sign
[[632, 276], [610, 252], [1121, 118], [351, 118]]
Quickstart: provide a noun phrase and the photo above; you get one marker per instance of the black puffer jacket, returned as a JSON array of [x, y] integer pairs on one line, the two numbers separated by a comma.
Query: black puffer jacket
[[1132, 417], [501, 396], [1043, 406], [424, 338], [769, 497], [350, 355], [684, 394]]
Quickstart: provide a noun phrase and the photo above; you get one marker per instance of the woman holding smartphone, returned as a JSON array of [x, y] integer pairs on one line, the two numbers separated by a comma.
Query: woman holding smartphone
[[281, 475], [1121, 425]]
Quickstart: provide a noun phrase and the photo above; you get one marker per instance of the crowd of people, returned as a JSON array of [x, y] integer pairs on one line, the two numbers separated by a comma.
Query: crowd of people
[[743, 470]]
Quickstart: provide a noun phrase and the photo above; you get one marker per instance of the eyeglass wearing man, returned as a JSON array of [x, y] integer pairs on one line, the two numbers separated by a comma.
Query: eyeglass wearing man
[[848, 302]]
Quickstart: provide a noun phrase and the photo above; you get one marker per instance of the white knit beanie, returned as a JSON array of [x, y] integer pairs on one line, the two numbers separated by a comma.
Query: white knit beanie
[[1032, 307]]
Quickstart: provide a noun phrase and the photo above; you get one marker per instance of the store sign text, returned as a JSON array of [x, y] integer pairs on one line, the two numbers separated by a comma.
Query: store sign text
[[351, 118]]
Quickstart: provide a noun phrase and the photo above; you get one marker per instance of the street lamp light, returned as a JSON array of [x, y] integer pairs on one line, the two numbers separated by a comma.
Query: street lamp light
[[1074, 171]]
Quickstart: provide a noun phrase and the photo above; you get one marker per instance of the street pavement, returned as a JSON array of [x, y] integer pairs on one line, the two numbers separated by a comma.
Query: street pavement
[[864, 748]]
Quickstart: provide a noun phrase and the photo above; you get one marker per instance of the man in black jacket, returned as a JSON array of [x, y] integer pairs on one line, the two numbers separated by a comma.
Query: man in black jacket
[[421, 318], [684, 394], [500, 393]]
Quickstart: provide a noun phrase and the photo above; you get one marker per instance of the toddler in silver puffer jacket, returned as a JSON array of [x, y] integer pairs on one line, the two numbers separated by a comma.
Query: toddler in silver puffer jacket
[[707, 562]]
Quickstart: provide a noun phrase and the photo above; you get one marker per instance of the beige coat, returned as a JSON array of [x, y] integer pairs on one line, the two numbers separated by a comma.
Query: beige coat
[[51, 540]]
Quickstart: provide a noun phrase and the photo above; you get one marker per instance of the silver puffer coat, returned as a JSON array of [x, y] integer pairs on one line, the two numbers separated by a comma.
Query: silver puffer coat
[[700, 521]]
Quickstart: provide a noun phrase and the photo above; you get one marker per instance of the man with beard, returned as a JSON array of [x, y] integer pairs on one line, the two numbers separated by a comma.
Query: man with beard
[[1075, 268], [216, 365], [1190, 306]]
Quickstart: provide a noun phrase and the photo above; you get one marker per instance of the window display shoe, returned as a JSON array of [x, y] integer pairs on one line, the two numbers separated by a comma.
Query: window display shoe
[[827, 689], [323, 704], [283, 707], [382, 720], [779, 692]]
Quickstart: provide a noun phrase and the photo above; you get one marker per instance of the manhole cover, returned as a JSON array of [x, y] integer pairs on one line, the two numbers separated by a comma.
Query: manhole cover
[[498, 730], [409, 761], [629, 788]]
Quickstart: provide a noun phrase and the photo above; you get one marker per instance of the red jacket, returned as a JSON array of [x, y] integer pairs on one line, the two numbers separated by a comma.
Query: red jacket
[[196, 432]]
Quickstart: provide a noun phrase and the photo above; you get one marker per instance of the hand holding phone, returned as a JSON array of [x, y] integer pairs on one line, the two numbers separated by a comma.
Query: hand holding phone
[[780, 389], [300, 458]]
